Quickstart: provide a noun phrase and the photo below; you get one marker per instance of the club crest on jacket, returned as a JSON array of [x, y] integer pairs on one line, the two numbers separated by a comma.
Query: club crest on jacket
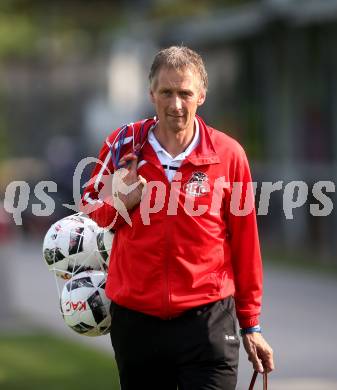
[[197, 185]]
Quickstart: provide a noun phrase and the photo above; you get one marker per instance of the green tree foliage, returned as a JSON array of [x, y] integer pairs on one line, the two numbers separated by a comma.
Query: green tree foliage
[[28, 27], [31, 27]]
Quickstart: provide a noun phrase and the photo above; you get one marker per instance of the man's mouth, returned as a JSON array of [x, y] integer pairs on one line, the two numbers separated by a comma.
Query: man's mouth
[[176, 116]]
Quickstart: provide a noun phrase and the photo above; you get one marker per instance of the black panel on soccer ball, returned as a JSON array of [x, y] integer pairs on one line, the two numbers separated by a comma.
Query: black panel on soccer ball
[[52, 256], [82, 327], [97, 307], [77, 283], [101, 246], [76, 241]]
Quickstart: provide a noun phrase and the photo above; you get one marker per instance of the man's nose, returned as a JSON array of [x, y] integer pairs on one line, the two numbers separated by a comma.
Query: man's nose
[[176, 102]]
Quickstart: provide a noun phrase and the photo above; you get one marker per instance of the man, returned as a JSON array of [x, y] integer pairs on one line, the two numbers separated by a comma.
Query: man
[[184, 260]]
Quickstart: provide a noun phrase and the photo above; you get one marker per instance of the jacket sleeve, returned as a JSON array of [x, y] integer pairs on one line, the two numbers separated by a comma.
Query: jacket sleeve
[[245, 247], [97, 196]]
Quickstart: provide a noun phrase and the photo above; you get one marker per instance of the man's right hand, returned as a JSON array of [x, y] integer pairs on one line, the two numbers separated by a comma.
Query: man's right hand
[[127, 185]]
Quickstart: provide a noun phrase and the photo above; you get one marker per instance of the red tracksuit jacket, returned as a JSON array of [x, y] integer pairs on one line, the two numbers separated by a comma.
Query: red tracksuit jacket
[[190, 248]]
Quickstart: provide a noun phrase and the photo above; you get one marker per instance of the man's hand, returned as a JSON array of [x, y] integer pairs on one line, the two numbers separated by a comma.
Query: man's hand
[[259, 352], [127, 184]]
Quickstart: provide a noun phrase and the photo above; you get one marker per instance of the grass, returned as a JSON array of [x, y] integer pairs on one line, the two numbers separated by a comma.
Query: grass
[[36, 362]]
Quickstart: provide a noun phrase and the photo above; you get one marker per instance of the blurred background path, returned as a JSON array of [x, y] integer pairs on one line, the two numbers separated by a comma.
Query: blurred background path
[[298, 318]]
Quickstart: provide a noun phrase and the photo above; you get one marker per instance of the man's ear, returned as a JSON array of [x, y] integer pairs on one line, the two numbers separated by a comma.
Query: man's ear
[[202, 98], [151, 95]]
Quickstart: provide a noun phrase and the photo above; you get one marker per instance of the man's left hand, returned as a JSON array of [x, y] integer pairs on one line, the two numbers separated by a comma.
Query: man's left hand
[[259, 352]]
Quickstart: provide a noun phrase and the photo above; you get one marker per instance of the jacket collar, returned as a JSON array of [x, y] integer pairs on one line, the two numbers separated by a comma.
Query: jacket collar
[[203, 154]]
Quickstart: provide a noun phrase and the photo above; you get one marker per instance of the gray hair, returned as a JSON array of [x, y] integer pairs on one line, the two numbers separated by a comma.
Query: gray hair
[[179, 57]]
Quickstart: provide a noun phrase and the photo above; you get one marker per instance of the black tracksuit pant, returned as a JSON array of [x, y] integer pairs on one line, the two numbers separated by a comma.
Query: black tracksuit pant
[[198, 350]]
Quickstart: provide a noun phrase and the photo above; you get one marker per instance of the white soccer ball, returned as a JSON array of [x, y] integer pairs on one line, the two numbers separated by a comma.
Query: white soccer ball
[[84, 305], [104, 243], [70, 246]]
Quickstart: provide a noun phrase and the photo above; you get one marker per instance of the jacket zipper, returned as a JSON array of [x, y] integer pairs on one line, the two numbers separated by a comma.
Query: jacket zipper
[[167, 219], [166, 256]]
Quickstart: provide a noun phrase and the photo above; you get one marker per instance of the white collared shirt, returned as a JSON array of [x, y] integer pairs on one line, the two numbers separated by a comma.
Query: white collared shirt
[[169, 163]]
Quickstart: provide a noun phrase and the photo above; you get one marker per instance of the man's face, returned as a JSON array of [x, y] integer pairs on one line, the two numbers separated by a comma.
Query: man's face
[[176, 95]]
